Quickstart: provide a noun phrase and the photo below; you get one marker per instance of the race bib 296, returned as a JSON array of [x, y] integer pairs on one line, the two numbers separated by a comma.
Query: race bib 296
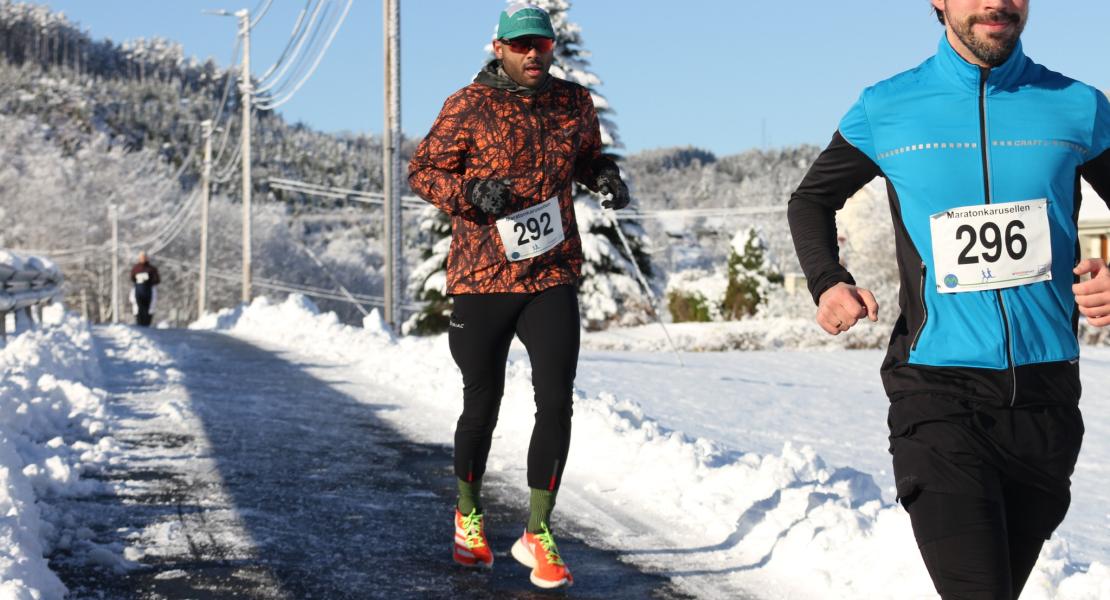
[[991, 246]]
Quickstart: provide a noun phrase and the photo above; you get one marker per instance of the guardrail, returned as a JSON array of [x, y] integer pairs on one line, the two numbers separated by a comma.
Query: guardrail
[[26, 283]]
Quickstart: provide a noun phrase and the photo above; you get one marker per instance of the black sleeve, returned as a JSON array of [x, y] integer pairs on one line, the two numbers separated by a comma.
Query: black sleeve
[[154, 278], [1097, 173], [840, 171]]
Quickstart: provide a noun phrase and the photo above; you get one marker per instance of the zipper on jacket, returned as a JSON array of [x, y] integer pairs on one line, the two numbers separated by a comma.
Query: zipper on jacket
[[984, 73], [924, 308], [535, 110]]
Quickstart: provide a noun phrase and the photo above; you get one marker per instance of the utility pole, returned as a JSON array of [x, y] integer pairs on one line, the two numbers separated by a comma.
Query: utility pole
[[245, 141], [205, 190], [113, 214], [391, 163]]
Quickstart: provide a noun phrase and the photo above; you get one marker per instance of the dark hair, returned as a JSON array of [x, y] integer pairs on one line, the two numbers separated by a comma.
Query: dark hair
[[940, 15]]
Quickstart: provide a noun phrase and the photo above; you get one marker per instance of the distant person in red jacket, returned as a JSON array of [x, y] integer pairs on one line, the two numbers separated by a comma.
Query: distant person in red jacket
[[143, 296]]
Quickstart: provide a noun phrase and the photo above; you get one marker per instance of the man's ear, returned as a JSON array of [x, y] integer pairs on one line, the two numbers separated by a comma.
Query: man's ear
[[497, 49]]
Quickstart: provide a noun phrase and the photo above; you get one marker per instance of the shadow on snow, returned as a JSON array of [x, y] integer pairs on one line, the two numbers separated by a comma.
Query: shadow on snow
[[333, 502]]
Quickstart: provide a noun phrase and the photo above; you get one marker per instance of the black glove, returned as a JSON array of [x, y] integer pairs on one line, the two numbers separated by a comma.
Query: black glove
[[609, 183], [490, 196]]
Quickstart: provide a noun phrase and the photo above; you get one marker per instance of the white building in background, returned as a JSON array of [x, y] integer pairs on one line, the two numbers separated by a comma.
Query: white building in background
[[1094, 225]]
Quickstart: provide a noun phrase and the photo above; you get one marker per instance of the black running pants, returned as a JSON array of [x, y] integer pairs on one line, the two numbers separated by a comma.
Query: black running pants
[[984, 485], [144, 295], [975, 548], [482, 327]]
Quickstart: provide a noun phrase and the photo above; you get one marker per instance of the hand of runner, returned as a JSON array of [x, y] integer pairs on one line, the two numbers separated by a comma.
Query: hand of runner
[[610, 185], [1093, 295], [843, 305], [491, 196]]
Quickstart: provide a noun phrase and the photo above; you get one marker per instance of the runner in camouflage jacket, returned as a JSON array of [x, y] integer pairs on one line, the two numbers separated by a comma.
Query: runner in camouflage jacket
[[542, 141]]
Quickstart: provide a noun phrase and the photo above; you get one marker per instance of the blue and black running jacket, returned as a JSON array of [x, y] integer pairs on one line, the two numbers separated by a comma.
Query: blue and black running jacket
[[949, 134]]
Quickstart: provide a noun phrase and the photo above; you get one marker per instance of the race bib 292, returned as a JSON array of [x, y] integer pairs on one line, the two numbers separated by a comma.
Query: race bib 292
[[532, 231]]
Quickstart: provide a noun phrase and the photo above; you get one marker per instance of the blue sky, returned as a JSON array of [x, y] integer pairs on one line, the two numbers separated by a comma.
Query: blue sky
[[725, 75]]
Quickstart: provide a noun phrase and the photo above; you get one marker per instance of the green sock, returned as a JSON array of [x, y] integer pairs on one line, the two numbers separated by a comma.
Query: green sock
[[470, 496], [542, 502]]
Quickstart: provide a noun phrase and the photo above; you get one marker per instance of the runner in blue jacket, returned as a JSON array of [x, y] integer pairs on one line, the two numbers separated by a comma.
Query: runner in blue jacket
[[982, 150]]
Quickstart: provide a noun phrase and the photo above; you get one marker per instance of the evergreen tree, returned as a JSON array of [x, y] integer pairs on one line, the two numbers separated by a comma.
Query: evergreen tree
[[751, 275], [609, 290], [428, 282]]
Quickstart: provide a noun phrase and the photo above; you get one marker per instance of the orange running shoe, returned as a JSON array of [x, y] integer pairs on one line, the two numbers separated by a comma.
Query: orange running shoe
[[471, 549], [538, 551]]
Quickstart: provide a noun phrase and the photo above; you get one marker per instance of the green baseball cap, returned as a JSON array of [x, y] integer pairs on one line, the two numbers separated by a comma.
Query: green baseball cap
[[521, 19]]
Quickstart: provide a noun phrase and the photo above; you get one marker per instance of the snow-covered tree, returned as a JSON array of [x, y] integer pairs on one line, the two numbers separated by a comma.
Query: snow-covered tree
[[696, 295], [610, 292], [572, 64], [726, 295], [428, 282], [751, 275]]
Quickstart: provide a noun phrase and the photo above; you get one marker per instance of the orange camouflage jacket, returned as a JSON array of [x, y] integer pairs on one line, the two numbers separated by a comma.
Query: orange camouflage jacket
[[542, 141]]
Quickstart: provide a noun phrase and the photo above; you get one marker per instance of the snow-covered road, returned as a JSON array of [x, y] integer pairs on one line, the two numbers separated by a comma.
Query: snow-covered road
[[717, 476], [297, 456], [242, 473]]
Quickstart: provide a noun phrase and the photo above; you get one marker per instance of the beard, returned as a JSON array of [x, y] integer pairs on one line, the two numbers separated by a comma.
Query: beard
[[992, 49]]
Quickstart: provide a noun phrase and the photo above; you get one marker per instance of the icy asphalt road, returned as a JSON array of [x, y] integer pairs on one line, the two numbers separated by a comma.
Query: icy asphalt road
[[243, 476]]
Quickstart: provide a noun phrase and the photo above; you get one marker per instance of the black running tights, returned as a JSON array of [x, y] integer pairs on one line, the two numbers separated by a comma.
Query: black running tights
[[482, 327], [974, 547]]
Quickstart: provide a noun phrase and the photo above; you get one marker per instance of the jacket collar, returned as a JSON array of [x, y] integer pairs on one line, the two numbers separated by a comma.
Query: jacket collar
[[1003, 76], [494, 76]]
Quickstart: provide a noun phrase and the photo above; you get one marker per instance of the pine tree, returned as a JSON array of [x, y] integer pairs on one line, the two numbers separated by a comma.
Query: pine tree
[[428, 281], [609, 290], [750, 275]]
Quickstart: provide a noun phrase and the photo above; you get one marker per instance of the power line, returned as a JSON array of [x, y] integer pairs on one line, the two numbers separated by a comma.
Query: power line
[[311, 47], [227, 83], [701, 212], [216, 121], [272, 104], [294, 36], [300, 36], [286, 286], [336, 193], [261, 13], [194, 200], [334, 279], [165, 229], [228, 169]]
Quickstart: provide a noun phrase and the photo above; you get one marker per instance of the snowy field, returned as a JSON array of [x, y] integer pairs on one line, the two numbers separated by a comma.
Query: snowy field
[[831, 401], [745, 473]]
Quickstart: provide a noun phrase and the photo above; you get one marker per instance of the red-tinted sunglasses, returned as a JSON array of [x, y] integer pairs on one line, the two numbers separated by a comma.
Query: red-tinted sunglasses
[[525, 45]]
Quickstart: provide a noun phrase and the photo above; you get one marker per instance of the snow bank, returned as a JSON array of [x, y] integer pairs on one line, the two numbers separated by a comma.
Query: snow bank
[[716, 522], [757, 333], [52, 424]]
